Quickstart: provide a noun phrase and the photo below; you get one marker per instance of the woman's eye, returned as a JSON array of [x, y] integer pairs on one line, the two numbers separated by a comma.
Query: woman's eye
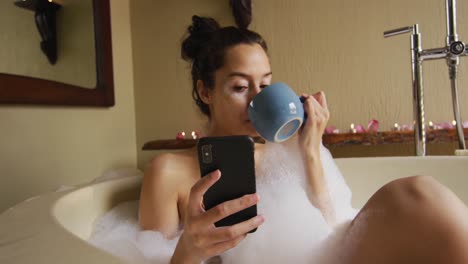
[[263, 86], [240, 88]]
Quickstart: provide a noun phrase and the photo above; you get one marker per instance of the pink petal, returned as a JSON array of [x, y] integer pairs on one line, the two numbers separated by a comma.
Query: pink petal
[[373, 125], [446, 125], [360, 129], [330, 129], [406, 127], [180, 136]]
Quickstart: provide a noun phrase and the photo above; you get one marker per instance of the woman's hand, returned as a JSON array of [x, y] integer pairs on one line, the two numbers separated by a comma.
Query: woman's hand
[[201, 239], [310, 135]]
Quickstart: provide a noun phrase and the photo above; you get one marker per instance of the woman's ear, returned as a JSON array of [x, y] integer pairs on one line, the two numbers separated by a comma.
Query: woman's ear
[[203, 92]]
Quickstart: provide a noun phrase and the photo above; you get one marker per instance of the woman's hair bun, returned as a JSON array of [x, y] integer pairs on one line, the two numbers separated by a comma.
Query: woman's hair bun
[[242, 12], [203, 25], [199, 33]]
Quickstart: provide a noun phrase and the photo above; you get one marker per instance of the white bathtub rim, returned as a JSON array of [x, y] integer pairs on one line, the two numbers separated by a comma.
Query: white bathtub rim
[[31, 233], [391, 158]]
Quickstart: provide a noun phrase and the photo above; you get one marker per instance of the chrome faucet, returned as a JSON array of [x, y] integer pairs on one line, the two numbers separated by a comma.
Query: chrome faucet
[[451, 52]]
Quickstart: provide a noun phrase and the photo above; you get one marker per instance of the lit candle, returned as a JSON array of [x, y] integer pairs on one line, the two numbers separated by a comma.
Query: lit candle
[[454, 123], [58, 2], [396, 127], [194, 135], [431, 125], [352, 129]]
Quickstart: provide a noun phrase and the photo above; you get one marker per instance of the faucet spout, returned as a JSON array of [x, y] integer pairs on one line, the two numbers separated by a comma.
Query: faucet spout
[[417, 85]]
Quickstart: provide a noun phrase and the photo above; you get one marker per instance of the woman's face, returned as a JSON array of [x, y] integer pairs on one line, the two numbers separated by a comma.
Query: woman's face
[[245, 72]]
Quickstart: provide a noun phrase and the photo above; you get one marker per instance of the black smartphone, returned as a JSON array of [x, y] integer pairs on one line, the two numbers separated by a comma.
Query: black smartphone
[[234, 157]]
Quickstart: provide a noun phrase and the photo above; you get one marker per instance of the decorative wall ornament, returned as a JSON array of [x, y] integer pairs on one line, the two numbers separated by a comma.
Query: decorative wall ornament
[[45, 17]]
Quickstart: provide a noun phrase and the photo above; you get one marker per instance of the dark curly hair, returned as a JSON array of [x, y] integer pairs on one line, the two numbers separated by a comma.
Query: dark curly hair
[[206, 44]]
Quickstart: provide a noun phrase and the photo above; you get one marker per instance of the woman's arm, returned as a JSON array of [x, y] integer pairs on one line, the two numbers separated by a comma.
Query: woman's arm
[[310, 138], [158, 197], [318, 193]]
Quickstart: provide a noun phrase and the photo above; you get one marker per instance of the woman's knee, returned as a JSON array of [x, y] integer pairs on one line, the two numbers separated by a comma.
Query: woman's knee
[[421, 202], [426, 203], [411, 191], [419, 214]]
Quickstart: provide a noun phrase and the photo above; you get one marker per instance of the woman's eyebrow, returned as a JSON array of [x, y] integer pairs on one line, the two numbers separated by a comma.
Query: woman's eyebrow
[[240, 74], [267, 74]]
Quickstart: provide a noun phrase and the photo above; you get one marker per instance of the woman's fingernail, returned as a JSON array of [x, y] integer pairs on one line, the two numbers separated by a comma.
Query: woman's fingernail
[[216, 175], [260, 219], [253, 197], [256, 198]]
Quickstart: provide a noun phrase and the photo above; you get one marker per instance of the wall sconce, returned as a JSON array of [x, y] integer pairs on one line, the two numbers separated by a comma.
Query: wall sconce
[[46, 23]]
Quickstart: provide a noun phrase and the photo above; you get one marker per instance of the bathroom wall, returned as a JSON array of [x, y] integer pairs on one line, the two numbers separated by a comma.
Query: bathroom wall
[[43, 148], [336, 46]]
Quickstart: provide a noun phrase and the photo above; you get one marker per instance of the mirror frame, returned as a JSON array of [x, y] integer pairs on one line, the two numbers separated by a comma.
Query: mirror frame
[[16, 89]]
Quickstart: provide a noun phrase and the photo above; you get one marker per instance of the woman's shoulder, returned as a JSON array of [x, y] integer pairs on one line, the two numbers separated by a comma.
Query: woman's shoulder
[[173, 165]]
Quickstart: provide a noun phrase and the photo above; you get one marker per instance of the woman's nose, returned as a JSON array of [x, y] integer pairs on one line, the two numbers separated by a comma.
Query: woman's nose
[[253, 93], [255, 90]]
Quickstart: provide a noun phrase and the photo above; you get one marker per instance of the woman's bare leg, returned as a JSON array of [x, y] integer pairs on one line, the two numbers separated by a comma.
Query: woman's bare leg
[[410, 220]]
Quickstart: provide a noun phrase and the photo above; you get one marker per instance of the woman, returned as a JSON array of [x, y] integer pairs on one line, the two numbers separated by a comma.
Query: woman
[[422, 221]]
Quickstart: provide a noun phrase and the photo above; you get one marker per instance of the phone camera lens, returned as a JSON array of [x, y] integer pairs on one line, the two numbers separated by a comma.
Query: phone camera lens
[[206, 153]]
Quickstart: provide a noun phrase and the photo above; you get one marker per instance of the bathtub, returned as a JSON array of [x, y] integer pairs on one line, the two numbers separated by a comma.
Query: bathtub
[[52, 228]]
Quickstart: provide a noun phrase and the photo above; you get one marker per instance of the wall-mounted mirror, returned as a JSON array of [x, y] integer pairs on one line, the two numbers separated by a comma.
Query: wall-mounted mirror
[[83, 74]]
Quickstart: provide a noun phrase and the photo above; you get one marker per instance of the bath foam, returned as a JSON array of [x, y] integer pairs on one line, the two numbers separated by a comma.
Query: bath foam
[[118, 233], [294, 231]]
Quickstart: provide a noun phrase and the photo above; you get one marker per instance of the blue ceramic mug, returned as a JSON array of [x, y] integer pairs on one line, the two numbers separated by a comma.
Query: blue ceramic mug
[[276, 112]]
